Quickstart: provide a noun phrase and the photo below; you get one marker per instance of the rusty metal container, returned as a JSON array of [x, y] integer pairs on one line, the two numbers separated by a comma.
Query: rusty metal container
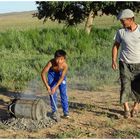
[[24, 108]]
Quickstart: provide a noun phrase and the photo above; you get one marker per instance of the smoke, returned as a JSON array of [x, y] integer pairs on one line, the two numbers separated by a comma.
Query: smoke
[[33, 102], [35, 89]]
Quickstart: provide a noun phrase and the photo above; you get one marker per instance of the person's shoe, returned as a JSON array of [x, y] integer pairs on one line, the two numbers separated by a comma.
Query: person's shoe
[[55, 116], [66, 116], [127, 114], [134, 113]]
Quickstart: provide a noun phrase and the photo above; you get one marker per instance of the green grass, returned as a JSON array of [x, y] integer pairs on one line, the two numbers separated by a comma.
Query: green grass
[[25, 51], [24, 21], [76, 133], [126, 134]]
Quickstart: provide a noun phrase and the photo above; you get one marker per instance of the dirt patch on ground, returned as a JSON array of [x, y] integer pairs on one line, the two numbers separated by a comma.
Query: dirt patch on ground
[[92, 115]]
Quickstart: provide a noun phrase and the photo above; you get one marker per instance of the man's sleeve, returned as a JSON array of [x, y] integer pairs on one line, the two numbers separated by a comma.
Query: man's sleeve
[[117, 37]]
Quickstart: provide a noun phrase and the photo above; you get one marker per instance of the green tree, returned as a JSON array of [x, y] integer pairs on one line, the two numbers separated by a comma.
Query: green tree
[[73, 13]]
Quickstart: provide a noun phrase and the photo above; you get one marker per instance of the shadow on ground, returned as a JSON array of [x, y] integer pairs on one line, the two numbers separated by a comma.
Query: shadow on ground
[[5, 99], [97, 110]]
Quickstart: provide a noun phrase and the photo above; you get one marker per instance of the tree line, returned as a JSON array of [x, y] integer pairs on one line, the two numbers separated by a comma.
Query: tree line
[[72, 13]]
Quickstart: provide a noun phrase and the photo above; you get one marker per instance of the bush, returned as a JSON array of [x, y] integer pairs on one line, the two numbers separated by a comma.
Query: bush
[[25, 53]]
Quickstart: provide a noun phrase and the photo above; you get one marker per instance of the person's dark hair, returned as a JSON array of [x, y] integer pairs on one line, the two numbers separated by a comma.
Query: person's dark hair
[[133, 18], [60, 53]]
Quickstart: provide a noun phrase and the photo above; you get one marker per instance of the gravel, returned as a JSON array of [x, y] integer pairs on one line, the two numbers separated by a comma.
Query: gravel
[[27, 124]]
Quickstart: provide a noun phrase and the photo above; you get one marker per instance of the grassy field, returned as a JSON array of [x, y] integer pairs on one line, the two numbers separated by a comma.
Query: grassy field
[[22, 21], [28, 44], [25, 20]]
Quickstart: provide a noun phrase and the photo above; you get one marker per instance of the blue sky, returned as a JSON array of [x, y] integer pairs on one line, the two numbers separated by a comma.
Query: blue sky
[[17, 6]]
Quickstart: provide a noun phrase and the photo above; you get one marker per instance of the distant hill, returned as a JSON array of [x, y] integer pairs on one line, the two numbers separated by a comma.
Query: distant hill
[[22, 20], [17, 13]]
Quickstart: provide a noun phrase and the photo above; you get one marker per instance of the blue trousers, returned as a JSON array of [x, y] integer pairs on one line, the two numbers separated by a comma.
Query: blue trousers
[[53, 78]]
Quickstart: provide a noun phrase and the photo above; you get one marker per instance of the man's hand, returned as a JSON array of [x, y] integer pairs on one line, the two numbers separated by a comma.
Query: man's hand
[[114, 65], [49, 89], [53, 90], [115, 55]]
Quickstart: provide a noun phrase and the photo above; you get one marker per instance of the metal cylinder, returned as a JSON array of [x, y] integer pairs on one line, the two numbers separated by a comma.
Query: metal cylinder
[[24, 108]]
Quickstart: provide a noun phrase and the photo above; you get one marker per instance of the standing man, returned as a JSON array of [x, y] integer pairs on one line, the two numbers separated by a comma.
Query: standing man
[[128, 38]]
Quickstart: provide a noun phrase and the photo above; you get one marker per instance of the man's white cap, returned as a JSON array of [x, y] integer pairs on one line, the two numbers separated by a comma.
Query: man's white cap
[[127, 13]]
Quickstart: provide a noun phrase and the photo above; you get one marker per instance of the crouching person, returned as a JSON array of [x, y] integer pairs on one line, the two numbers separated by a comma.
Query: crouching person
[[56, 70]]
